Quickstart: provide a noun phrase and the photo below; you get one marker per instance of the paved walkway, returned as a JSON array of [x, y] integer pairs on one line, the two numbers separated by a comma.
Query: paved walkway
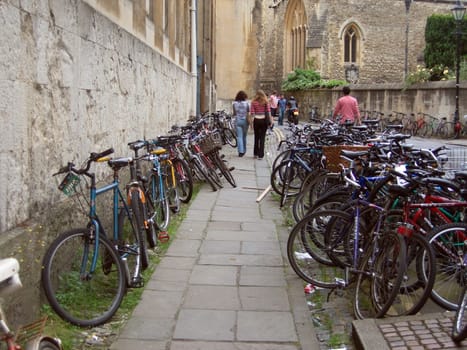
[[224, 283]]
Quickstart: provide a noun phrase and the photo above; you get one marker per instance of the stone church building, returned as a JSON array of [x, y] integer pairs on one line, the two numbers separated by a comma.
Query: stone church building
[[361, 41]]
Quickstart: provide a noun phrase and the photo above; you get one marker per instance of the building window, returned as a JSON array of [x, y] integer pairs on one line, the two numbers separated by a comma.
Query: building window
[[351, 42]]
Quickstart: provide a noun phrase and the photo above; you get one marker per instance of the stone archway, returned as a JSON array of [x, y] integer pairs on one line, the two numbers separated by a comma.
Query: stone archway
[[295, 36]]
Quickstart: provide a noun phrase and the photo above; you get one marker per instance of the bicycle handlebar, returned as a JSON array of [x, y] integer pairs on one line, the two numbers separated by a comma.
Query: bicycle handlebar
[[93, 157]]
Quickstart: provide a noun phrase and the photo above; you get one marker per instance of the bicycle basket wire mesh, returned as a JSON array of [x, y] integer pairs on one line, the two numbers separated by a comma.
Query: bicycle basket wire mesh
[[75, 186], [211, 142], [29, 332], [456, 160]]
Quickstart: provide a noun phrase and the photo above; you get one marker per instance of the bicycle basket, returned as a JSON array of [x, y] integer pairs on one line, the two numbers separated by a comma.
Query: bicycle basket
[[31, 331], [211, 143], [69, 184], [333, 158]]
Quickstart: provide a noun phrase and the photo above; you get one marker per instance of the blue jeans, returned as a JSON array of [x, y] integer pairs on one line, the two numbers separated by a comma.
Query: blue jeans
[[281, 116], [242, 131]]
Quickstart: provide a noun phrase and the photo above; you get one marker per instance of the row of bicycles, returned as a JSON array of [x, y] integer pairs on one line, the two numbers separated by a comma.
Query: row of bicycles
[[87, 271], [420, 124], [376, 215]]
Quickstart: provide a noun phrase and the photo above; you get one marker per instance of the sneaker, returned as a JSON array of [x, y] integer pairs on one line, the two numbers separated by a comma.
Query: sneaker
[[241, 154]]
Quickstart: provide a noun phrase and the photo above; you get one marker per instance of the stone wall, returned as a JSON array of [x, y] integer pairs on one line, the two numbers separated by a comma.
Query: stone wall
[[71, 82], [434, 98], [383, 26]]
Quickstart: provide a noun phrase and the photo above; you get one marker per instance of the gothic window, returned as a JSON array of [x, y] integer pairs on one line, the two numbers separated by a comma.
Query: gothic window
[[351, 45], [295, 36]]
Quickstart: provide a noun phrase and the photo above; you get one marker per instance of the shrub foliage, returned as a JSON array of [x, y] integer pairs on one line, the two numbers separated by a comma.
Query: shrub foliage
[[305, 79]]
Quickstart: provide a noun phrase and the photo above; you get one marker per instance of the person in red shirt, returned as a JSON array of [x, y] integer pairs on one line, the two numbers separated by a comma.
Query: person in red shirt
[[261, 114], [347, 108]]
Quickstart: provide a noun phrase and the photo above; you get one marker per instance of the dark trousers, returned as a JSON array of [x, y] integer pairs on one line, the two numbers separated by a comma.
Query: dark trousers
[[260, 126]]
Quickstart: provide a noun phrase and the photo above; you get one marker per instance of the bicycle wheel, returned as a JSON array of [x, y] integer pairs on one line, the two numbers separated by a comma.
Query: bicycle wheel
[[211, 171], [158, 202], [295, 177], [306, 251], [82, 297], [135, 236], [202, 172], [170, 181], [448, 242], [47, 344], [222, 166], [419, 277], [229, 137], [379, 277], [459, 328], [184, 180]]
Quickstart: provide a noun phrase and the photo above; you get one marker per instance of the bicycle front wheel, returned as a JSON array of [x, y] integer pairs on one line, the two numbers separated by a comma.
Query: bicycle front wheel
[[158, 202], [184, 180], [78, 294], [379, 277], [459, 328]]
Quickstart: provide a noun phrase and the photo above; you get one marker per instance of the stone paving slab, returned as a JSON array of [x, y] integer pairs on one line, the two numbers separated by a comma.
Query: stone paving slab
[[223, 283]]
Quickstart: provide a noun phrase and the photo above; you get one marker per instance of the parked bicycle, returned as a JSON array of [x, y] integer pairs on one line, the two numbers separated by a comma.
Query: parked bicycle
[[86, 271], [28, 337]]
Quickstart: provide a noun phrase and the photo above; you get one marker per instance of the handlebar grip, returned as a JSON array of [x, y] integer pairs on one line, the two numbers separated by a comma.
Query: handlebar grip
[[95, 156]]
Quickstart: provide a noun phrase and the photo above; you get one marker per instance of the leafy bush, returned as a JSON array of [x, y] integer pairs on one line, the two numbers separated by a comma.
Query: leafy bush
[[436, 73], [305, 79]]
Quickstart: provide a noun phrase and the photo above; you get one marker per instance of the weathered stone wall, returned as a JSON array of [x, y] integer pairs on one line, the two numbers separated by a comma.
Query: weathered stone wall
[[383, 27], [71, 82]]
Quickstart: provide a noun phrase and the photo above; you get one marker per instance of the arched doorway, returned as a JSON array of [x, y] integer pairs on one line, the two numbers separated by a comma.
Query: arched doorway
[[295, 36]]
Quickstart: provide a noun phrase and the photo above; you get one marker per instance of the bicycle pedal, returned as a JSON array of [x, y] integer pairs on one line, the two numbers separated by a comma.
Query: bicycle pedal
[[222, 156], [137, 282], [163, 236], [232, 168]]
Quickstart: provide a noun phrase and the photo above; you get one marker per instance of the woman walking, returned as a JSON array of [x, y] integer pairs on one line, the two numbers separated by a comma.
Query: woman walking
[[261, 113], [241, 109]]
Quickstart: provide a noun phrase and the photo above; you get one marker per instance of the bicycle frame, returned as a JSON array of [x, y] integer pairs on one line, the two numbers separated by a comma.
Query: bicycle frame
[[94, 219]]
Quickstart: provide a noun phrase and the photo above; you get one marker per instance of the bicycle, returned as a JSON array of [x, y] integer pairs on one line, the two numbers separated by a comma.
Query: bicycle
[[30, 336], [445, 129], [86, 272]]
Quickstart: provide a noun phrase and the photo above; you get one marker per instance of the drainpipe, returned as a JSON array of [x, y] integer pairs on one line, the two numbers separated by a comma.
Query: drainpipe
[[194, 70]]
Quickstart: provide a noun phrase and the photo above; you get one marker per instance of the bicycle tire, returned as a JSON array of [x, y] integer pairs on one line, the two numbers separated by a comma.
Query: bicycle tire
[[304, 200], [419, 277], [212, 172], [85, 301], [229, 137], [170, 181], [222, 166], [46, 344], [306, 251], [288, 178], [459, 327], [139, 216], [277, 178], [448, 244], [184, 180], [379, 280], [158, 202], [282, 156], [202, 173]]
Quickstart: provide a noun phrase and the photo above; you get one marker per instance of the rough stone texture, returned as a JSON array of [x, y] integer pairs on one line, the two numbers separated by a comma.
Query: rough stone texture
[[72, 82], [383, 26]]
